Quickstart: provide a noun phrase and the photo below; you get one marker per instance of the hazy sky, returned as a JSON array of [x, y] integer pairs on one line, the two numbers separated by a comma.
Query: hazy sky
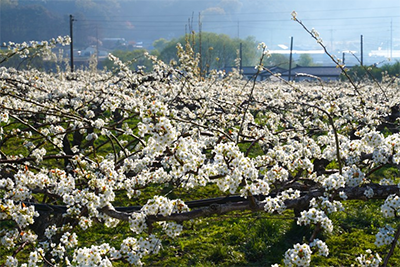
[[339, 22]]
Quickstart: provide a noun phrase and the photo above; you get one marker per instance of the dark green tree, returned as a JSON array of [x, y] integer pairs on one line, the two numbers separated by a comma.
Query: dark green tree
[[277, 60], [392, 69], [216, 50], [359, 73], [160, 44], [305, 60]]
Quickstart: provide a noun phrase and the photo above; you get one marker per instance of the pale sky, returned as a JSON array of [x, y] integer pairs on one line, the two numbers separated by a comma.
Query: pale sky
[[339, 22]]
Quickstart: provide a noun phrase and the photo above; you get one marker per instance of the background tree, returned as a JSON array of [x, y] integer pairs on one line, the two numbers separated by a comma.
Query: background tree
[[305, 60], [160, 44], [217, 50], [278, 60], [373, 72]]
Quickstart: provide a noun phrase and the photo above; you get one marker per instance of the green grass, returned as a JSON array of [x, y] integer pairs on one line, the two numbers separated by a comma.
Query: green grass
[[231, 240], [259, 239]]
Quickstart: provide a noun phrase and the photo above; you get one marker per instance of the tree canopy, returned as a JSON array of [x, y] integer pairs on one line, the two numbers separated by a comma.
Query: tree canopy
[[305, 60], [373, 72], [278, 60], [216, 51]]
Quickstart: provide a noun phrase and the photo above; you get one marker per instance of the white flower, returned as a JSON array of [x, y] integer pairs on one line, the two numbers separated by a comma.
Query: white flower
[[137, 222], [369, 260], [385, 236], [299, 255], [314, 216], [38, 154], [99, 123], [369, 192], [4, 117], [314, 33], [320, 246], [11, 261], [391, 206], [91, 136], [261, 46], [274, 204], [334, 181]]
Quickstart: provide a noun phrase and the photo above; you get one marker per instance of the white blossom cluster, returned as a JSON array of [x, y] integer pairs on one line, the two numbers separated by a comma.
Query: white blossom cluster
[[333, 182], [299, 255], [391, 206], [369, 259], [383, 149], [277, 204], [163, 206], [158, 206], [135, 249], [314, 216], [353, 175], [155, 123], [320, 246], [274, 204], [187, 162], [23, 49], [324, 203], [369, 192], [20, 213], [172, 229], [231, 163], [94, 256], [9, 239], [137, 222], [385, 236]]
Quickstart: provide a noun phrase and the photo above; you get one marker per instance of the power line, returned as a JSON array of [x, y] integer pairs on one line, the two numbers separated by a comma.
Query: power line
[[258, 13], [250, 20]]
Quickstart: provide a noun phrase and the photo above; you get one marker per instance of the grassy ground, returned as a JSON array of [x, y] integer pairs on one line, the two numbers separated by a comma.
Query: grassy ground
[[261, 240], [253, 239]]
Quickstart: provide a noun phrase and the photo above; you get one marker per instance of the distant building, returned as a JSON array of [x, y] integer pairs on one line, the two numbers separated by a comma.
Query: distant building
[[111, 43], [91, 50], [249, 72], [298, 73], [325, 73]]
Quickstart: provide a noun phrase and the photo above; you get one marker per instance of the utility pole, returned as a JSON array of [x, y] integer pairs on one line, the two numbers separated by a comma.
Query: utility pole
[[241, 57], [200, 53], [290, 59], [71, 20], [362, 50]]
